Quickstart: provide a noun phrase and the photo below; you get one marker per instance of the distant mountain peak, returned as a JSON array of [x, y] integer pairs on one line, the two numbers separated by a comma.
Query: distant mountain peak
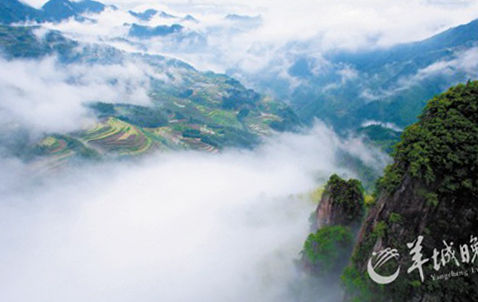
[[236, 17], [53, 10], [150, 13], [16, 11], [57, 10], [145, 15], [57, 4], [141, 31], [190, 18], [164, 14]]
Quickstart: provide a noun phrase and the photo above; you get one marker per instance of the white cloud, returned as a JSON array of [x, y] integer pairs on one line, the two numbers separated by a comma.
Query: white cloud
[[465, 61], [347, 73], [174, 227], [324, 24], [47, 96], [391, 126], [462, 66]]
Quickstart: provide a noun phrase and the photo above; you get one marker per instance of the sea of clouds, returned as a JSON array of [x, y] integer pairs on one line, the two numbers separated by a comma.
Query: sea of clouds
[[181, 226], [323, 25]]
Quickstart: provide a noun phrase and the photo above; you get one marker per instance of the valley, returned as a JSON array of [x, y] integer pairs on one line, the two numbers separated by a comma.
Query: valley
[[226, 151]]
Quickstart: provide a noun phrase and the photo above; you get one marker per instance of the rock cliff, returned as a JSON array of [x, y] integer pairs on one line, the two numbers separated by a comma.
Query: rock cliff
[[341, 203], [338, 215], [427, 202]]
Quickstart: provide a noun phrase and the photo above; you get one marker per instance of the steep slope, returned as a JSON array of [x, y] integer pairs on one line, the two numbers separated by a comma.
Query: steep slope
[[421, 53], [21, 42], [429, 196], [189, 109], [15, 11], [337, 218], [145, 15], [144, 32], [341, 203], [12, 11], [389, 85], [380, 136], [57, 10]]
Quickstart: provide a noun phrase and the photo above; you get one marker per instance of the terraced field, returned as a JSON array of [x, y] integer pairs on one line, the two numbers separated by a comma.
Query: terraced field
[[219, 113], [189, 109], [116, 136]]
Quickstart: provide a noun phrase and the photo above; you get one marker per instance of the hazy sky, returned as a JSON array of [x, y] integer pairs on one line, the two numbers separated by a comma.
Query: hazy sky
[[325, 25], [391, 21]]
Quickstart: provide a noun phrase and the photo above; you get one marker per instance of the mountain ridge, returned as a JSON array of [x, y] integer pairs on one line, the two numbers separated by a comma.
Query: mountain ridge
[[430, 191], [12, 11], [203, 111], [389, 85]]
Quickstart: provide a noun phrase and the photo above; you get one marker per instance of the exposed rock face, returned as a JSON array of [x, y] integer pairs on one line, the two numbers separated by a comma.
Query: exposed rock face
[[341, 203], [431, 190], [326, 251]]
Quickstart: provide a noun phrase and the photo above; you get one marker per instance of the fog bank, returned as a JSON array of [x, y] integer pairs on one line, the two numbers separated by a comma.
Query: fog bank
[[183, 226]]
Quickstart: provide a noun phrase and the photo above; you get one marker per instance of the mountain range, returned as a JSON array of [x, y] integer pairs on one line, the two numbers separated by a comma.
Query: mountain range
[[373, 93], [148, 14], [190, 109], [385, 85], [142, 31], [349, 90], [14, 11]]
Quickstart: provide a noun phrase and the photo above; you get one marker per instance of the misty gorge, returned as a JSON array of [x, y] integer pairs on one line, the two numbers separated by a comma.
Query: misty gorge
[[210, 150]]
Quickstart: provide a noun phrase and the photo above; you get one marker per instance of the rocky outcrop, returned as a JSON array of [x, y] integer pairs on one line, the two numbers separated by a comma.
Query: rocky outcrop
[[327, 249], [341, 203], [429, 195]]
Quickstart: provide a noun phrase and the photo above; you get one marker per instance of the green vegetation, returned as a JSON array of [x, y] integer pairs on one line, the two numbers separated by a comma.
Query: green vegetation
[[338, 214], [172, 122], [382, 137], [344, 192], [203, 111], [438, 147], [357, 283], [21, 42], [346, 198], [380, 229], [395, 218], [378, 91], [326, 251], [430, 190]]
